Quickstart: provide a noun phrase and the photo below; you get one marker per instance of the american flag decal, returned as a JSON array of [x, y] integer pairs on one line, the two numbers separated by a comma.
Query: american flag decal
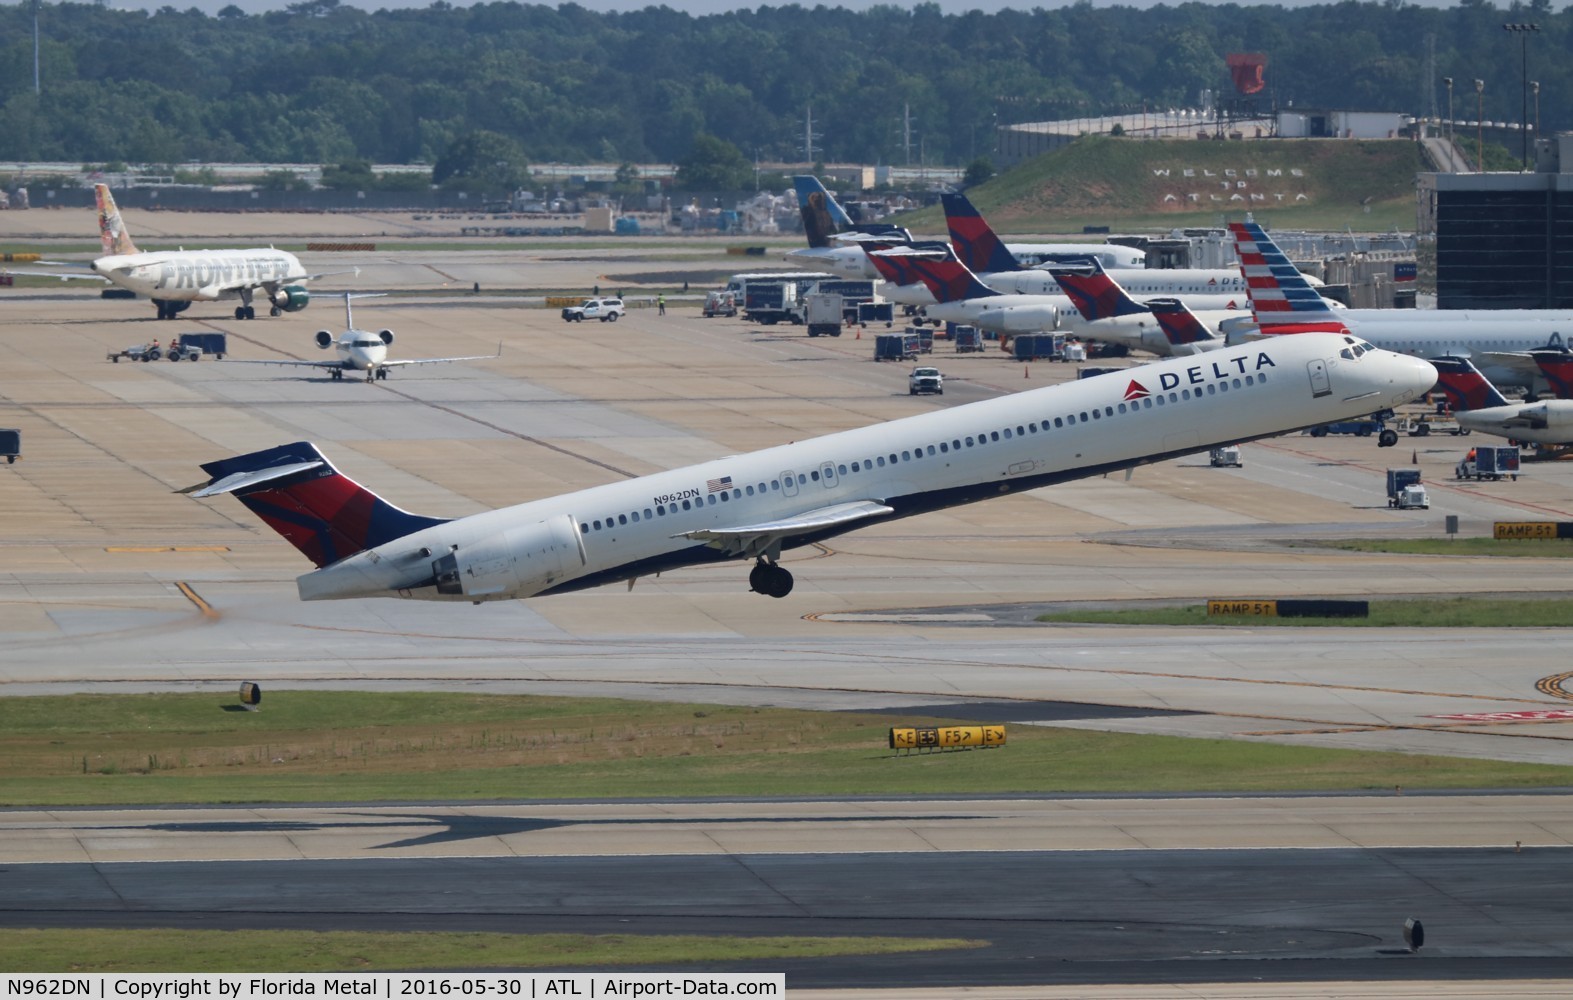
[[717, 485]]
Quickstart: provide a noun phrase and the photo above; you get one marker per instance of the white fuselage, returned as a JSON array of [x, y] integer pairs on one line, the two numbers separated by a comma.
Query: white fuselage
[[1033, 313], [916, 464], [1473, 334], [197, 275], [853, 262], [360, 351], [1549, 421]]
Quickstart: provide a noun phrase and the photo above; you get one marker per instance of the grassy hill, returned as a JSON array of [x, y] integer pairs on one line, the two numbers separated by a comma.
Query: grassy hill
[[1132, 184]]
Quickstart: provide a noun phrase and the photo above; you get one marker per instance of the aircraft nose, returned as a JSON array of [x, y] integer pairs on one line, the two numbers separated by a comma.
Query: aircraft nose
[[1424, 376], [1410, 377]]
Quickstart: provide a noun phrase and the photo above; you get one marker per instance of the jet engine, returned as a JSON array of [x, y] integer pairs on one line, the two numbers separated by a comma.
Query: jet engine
[[386, 335], [517, 563], [324, 339], [1020, 319], [291, 298]]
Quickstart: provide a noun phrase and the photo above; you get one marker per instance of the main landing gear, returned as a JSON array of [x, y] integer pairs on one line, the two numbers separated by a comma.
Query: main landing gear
[[170, 308], [769, 578]]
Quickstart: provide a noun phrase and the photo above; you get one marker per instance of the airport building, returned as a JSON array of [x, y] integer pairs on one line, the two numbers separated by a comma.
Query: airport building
[[1504, 241]]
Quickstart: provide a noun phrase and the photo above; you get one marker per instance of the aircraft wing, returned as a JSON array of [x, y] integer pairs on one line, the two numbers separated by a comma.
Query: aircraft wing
[[440, 361], [1521, 364], [286, 362], [311, 277], [62, 275], [754, 539]]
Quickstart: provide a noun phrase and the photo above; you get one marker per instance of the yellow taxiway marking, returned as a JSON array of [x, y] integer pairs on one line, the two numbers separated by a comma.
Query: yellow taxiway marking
[[1553, 686], [195, 598], [166, 548]]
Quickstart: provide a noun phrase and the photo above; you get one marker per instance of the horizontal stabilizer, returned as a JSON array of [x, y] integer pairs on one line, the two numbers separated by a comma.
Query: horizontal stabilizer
[[246, 480]]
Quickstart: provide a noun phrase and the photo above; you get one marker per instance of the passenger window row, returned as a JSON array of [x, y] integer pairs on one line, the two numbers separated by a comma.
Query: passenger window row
[[913, 454]]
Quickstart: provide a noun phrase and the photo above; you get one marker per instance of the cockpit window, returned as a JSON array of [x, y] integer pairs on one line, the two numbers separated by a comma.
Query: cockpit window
[[1347, 354]]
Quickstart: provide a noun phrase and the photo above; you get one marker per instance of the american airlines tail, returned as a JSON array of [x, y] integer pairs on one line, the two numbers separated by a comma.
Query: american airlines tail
[[1281, 297], [1465, 387], [299, 494], [111, 229], [974, 240], [1094, 293]]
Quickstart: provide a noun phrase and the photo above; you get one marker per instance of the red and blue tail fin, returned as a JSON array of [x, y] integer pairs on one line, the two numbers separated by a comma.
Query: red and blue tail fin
[[975, 242], [1094, 293], [1281, 298], [1179, 325], [950, 280], [1557, 367], [1465, 387], [298, 493]]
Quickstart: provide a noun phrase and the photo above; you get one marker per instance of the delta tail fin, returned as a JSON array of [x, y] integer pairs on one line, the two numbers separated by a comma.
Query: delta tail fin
[[975, 242], [299, 494], [111, 228], [1094, 293], [1465, 387], [949, 279], [1557, 366], [1282, 300], [1179, 325]]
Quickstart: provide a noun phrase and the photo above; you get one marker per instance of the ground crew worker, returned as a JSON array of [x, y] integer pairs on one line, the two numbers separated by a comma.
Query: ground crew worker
[[660, 305]]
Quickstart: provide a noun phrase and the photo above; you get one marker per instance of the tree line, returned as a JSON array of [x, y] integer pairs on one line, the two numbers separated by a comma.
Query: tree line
[[324, 83]]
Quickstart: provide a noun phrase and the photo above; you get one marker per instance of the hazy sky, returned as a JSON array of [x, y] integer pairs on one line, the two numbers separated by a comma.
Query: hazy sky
[[705, 6]]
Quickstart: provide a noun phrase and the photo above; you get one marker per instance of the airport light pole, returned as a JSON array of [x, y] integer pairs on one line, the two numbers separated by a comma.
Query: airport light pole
[[1480, 126], [1452, 150], [1534, 86], [1523, 31]]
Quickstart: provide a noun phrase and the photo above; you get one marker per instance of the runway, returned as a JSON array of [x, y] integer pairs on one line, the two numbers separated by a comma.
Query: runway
[[1063, 890], [112, 582]]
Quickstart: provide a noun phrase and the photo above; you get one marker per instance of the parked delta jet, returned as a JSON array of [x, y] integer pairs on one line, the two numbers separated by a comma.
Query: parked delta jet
[[1497, 339], [834, 240], [757, 505], [1115, 317], [359, 351], [174, 279], [1478, 406]]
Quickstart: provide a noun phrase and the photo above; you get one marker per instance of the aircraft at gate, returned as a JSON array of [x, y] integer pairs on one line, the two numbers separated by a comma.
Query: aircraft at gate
[[174, 279], [1498, 340], [1478, 406], [359, 351], [757, 505]]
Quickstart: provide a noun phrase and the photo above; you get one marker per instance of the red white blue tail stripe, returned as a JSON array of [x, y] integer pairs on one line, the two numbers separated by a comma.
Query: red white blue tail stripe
[[1282, 300]]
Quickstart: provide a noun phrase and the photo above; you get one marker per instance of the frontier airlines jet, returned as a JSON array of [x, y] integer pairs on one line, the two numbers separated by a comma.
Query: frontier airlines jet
[[757, 505], [174, 279]]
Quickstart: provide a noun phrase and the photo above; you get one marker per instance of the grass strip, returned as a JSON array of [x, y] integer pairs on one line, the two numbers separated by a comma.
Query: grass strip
[[309, 746], [78, 950], [1445, 612], [1536, 548]]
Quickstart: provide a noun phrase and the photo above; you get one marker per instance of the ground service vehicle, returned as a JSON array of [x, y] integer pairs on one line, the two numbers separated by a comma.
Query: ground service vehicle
[[824, 314], [605, 310], [1405, 491], [10, 444], [138, 352], [216, 344], [740, 285], [1228, 456], [770, 302], [1489, 462], [720, 303], [895, 347], [925, 379], [968, 339]]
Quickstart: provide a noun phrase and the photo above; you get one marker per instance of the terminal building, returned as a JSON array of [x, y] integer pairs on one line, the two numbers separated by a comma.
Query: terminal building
[[1504, 241]]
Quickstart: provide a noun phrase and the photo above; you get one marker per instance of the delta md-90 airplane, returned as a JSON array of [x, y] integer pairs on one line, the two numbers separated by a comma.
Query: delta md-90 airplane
[[757, 505]]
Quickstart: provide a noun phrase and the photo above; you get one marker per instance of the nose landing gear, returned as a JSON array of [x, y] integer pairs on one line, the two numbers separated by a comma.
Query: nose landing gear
[[770, 579]]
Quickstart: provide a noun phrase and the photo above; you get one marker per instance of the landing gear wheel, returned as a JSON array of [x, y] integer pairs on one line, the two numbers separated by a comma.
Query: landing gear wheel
[[275, 311], [336, 375], [240, 312], [251, 312], [1387, 439], [770, 580], [382, 374]]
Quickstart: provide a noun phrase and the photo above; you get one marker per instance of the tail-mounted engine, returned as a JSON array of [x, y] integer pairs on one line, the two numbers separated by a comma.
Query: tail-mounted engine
[[518, 563]]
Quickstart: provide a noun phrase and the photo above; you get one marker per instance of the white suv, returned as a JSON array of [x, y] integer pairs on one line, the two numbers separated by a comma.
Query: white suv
[[605, 310]]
